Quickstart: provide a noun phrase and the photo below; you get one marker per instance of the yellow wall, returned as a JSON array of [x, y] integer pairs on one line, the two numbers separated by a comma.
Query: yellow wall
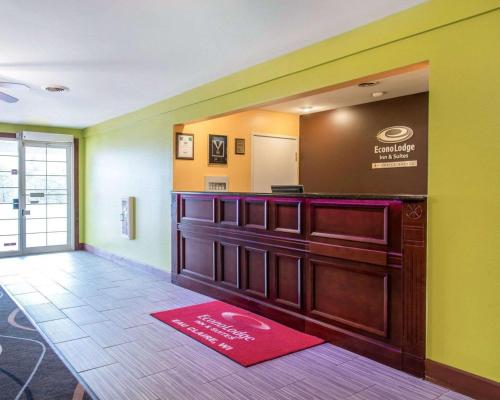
[[189, 174], [133, 154]]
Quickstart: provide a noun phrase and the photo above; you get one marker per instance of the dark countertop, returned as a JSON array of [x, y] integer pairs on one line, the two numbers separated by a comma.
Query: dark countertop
[[351, 196]]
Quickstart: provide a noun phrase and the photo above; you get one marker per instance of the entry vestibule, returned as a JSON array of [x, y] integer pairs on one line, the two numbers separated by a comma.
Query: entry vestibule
[[37, 193]]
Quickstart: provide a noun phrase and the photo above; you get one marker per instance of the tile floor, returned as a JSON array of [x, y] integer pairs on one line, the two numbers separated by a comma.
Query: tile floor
[[96, 314]]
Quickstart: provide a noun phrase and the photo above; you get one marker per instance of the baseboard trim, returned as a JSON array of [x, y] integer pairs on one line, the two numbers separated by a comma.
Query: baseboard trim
[[461, 381], [126, 261]]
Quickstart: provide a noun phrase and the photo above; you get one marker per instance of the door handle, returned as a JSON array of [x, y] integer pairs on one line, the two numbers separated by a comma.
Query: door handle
[[26, 212]]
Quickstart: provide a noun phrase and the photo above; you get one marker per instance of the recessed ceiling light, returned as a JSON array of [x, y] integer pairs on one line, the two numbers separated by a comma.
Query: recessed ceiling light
[[378, 94], [306, 108], [56, 88], [368, 84]]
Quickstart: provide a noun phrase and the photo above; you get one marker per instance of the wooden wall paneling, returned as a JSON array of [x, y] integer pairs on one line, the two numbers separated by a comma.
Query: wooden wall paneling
[[350, 295], [349, 253], [414, 278], [198, 208], [286, 216], [229, 211], [175, 235], [256, 280], [198, 257], [287, 279], [357, 221], [255, 213], [395, 246], [229, 265]]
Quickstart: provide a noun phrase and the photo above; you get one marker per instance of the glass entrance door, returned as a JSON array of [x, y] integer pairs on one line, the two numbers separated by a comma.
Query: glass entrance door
[[9, 197], [46, 197], [35, 197]]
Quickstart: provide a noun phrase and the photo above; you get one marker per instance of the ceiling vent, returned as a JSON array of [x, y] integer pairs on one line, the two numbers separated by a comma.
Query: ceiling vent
[[56, 88]]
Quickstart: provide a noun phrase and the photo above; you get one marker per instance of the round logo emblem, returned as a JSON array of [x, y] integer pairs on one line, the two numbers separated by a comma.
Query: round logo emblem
[[395, 134], [254, 323], [414, 211]]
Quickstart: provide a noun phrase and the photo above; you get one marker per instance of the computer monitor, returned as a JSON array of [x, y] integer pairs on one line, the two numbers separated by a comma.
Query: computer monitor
[[287, 188]]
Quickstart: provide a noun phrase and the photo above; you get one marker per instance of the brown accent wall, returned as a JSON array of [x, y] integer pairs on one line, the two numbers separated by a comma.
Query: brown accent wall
[[337, 148]]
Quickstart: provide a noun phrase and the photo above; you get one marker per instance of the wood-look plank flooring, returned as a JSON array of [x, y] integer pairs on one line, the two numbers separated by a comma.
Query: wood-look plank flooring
[[96, 314]]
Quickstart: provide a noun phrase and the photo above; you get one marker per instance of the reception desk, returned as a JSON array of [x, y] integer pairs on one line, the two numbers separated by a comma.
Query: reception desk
[[347, 268]]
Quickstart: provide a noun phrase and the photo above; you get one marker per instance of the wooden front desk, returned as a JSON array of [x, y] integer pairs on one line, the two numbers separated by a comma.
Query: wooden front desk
[[349, 269]]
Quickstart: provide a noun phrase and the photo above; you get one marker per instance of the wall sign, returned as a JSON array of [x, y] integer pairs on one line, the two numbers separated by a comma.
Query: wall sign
[[217, 149], [393, 153], [184, 146]]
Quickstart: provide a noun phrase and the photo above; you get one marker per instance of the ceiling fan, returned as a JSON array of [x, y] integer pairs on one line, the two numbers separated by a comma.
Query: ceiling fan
[[13, 86]]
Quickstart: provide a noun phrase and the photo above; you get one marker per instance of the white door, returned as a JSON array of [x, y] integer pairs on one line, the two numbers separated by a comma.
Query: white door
[[274, 162], [36, 197]]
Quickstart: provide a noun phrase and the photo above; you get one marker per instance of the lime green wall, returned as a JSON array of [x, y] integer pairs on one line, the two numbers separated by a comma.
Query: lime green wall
[[77, 133], [131, 161], [132, 155]]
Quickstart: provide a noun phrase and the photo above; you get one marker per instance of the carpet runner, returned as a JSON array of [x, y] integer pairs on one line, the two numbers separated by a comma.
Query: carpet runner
[[29, 368]]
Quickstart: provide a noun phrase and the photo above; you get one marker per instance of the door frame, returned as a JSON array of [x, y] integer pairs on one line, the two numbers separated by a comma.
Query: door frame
[[275, 136], [70, 246], [18, 252], [74, 215]]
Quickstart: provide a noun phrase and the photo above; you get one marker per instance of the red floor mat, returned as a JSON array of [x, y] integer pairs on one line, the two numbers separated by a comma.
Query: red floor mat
[[242, 336]]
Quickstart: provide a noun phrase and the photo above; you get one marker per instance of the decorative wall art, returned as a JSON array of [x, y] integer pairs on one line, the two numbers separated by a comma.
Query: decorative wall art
[[217, 149]]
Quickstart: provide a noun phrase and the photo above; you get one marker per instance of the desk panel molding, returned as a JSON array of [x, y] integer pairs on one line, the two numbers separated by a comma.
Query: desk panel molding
[[350, 270]]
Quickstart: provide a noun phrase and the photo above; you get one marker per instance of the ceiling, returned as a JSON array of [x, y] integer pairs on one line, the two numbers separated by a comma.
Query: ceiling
[[118, 56], [394, 86]]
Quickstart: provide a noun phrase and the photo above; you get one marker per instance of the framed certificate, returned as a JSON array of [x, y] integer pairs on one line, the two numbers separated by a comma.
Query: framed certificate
[[239, 146], [217, 149], [184, 146]]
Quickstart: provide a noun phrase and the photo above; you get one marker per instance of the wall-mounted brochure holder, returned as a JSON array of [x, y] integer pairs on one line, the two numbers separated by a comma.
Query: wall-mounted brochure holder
[[128, 217]]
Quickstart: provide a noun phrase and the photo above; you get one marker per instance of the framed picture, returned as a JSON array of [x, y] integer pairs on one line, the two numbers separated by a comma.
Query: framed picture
[[184, 146], [239, 146], [217, 149]]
